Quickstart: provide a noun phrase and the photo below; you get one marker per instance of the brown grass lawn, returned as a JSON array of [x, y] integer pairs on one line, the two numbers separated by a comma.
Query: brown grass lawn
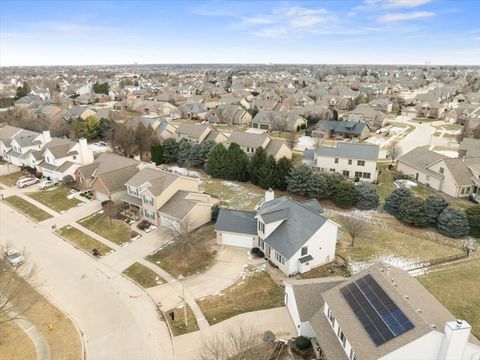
[[457, 287], [257, 292], [423, 192], [10, 179], [143, 275], [82, 240], [178, 326], [385, 182], [55, 198], [117, 232], [234, 194], [179, 258], [27, 208], [63, 339], [15, 344], [325, 271]]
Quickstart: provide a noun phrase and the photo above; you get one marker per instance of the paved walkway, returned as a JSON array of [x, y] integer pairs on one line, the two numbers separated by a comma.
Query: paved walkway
[[38, 339]]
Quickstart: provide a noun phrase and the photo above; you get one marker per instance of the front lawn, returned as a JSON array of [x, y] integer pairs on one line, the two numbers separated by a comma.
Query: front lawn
[[55, 198], [15, 343], [326, 271], [27, 208], [178, 325], [143, 275], [10, 179], [116, 231], [457, 287], [82, 240], [234, 194], [187, 258], [257, 292], [385, 182]]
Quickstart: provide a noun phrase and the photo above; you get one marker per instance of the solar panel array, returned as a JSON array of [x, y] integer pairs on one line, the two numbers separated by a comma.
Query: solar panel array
[[379, 315]]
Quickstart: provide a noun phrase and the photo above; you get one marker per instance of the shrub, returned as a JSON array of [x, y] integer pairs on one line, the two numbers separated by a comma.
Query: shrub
[[434, 205], [367, 197], [302, 343], [395, 200], [318, 188], [413, 212], [473, 215], [345, 195], [215, 212], [255, 250], [453, 222], [299, 179]]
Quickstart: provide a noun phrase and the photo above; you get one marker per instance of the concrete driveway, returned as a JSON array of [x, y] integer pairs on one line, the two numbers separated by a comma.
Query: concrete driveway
[[118, 319]]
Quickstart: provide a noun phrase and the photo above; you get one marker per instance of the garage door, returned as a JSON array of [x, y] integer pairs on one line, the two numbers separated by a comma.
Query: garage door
[[101, 196], [169, 223], [245, 241]]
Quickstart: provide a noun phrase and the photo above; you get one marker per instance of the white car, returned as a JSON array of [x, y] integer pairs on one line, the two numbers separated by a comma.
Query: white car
[[45, 184], [24, 182], [14, 257]]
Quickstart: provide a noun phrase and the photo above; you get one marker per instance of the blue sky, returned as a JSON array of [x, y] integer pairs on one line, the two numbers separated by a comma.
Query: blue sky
[[319, 32]]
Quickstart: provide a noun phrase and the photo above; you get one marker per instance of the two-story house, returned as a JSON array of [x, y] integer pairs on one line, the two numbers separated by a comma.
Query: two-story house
[[355, 161], [381, 313], [250, 142], [294, 236], [167, 199], [17, 148]]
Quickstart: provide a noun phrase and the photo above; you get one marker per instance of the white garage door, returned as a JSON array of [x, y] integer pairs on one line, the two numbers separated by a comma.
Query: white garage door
[[169, 223], [245, 241], [101, 196]]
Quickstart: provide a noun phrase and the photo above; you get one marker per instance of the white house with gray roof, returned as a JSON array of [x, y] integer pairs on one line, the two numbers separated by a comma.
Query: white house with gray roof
[[294, 236], [381, 313], [355, 161]]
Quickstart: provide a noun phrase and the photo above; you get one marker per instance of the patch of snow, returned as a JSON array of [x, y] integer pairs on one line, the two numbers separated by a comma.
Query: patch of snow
[[399, 262], [99, 148], [255, 131], [305, 142], [405, 184], [449, 153], [183, 171]]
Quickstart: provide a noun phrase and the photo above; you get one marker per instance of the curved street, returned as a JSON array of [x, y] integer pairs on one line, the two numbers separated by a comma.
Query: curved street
[[118, 319]]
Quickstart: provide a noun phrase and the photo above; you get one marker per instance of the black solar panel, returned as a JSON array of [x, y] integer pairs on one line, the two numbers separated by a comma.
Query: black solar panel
[[379, 315]]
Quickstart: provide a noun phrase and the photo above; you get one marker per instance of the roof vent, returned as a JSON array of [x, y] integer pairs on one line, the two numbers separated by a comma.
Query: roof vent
[[406, 297], [433, 326], [419, 311], [381, 270], [459, 322]]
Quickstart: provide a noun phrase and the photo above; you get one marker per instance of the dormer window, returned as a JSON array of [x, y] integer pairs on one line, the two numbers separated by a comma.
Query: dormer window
[[261, 227], [441, 170]]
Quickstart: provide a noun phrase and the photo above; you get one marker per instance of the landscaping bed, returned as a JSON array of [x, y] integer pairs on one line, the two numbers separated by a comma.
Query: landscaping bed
[[178, 325], [55, 198], [142, 275], [187, 257], [27, 208], [447, 282], [257, 292], [116, 231], [83, 241]]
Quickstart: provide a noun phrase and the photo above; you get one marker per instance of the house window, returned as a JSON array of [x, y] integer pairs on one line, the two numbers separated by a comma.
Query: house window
[[352, 355], [342, 337], [366, 175], [304, 250], [462, 191], [441, 170], [336, 160], [332, 170], [360, 162], [261, 227], [358, 174], [74, 157], [331, 318], [349, 161], [346, 173], [279, 258]]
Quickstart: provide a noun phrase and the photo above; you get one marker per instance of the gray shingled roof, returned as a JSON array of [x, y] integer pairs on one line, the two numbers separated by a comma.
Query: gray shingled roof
[[344, 127], [351, 151], [192, 130], [7, 132], [247, 139], [236, 221], [178, 206], [420, 158], [300, 224], [158, 180], [115, 180], [105, 163]]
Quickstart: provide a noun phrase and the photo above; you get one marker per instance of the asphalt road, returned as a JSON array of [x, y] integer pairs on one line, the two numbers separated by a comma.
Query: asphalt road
[[118, 320]]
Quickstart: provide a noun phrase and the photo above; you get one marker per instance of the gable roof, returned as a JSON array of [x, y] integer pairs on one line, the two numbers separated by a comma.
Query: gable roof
[[299, 225], [115, 180], [178, 205], [192, 130], [420, 158], [247, 139], [350, 150], [236, 221], [459, 168], [107, 162], [158, 180], [8, 131]]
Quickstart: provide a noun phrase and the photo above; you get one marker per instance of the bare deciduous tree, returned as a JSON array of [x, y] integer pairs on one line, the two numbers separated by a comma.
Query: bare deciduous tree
[[291, 139], [236, 343], [354, 227], [183, 231], [15, 282], [109, 209], [394, 151]]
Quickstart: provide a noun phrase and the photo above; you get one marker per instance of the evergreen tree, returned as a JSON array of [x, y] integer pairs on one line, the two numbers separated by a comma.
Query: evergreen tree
[[282, 169], [257, 165], [318, 186], [367, 197], [395, 200], [195, 158], [333, 179], [22, 91], [413, 212], [170, 151], [473, 215], [453, 222], [236, 164], [183, 153], [156, 152], [434, 205], [345, 195], [299, 179], [102, 88], [267, 180], [205, 148], [216, 161]]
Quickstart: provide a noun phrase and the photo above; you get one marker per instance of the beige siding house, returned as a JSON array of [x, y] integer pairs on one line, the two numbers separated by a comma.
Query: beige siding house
[[251, 142]]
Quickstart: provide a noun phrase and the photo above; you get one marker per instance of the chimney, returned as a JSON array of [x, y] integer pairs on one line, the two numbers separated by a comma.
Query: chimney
[[86, 155], [454, 340], [269, 195], [46, 137]]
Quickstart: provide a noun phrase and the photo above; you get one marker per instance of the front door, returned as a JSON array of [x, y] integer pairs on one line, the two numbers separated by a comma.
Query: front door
[[267, 250]]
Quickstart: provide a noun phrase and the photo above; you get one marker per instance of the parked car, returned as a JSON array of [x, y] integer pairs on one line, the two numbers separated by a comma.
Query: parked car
[[14, 257], [27, 182], [45, 184]]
